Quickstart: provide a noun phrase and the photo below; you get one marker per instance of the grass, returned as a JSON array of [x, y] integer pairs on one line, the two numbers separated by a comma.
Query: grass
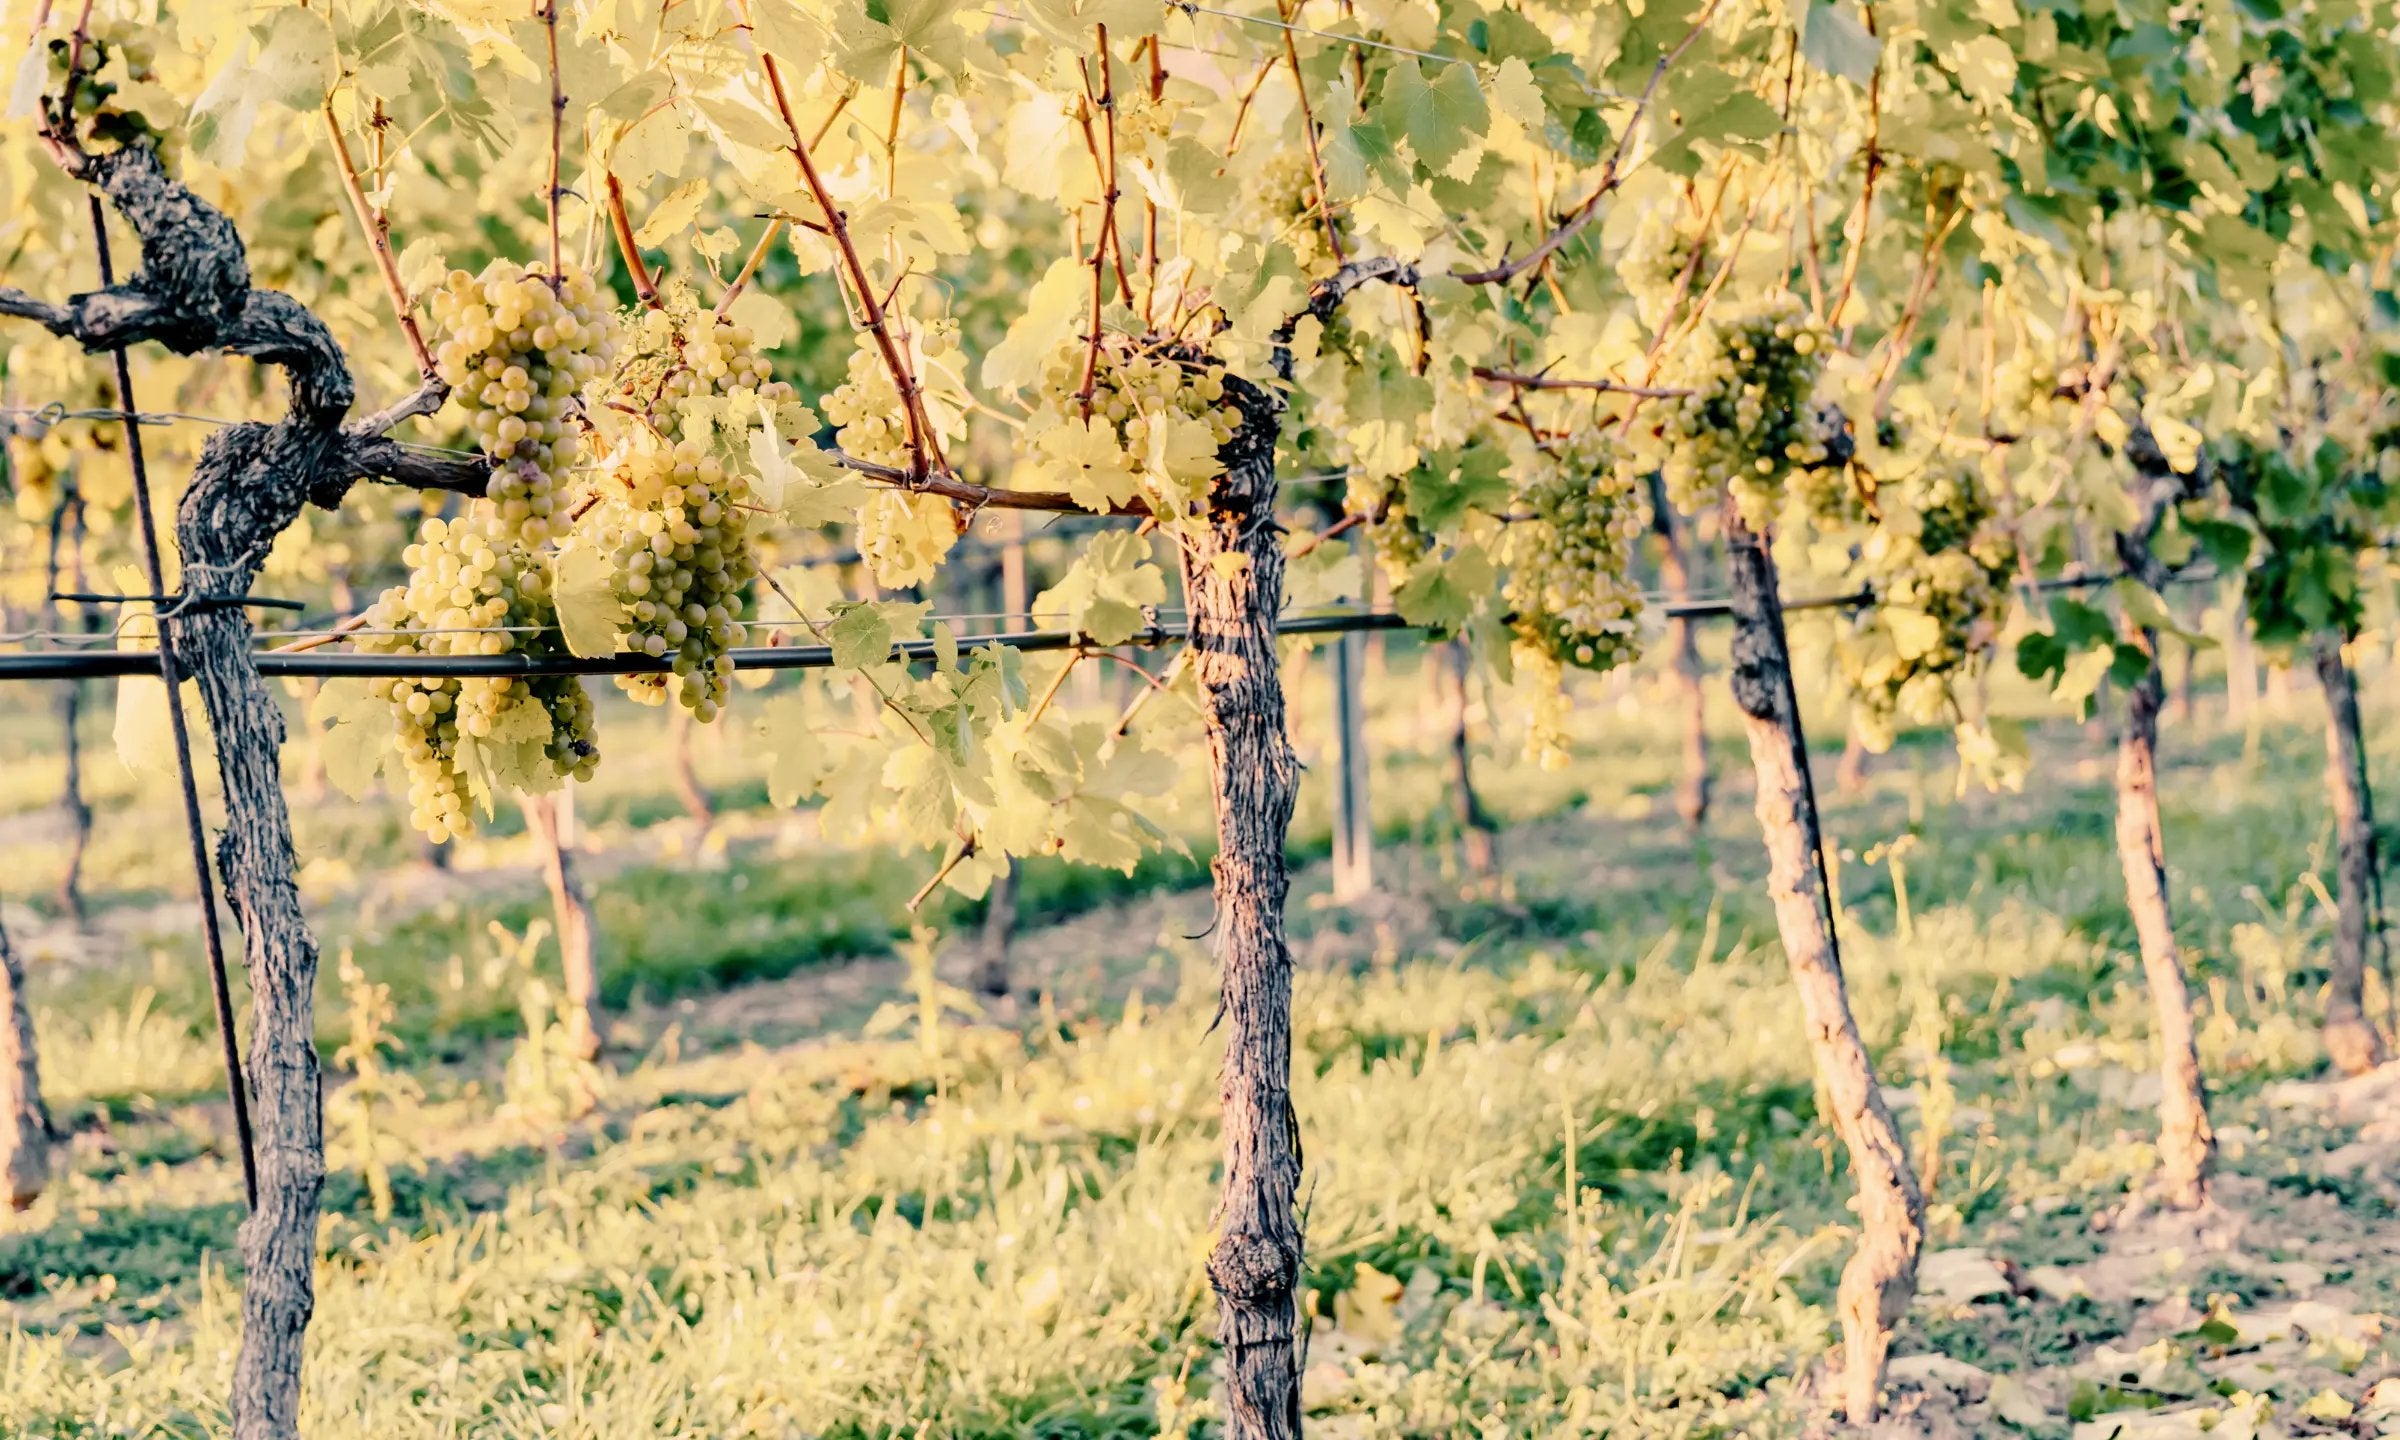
[[1566, 1171]]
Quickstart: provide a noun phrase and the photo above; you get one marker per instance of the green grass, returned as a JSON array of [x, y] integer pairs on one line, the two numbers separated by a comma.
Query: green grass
[[1566, 1171]]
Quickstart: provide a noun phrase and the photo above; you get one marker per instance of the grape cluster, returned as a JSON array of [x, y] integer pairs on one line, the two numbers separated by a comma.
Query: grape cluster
[[1664, 246], [865, 410], [516, 354], [1939, 563], [1136, 388], [467, 595], [1748, 422], [1568, 592], [675, 530], [681, 352], [1283, 198]]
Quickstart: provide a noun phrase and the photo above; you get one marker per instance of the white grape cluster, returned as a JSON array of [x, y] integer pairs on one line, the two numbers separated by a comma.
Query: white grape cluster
[[467, 595], [674, 527], [681, 352], [1283, 200], [1749, 420], [1131, 384], [516, 354], [1568, 591], [865, 410], [1665, 245], [1940, 565]]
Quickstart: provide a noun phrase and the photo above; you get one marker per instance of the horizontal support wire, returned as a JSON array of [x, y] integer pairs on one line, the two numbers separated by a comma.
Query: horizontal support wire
[[100, 664]]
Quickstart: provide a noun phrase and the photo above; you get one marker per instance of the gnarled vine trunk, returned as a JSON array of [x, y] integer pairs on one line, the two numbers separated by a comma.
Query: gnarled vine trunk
[[1233, 586], [1881, 1277], [2351, 1040], [193, 294], [578, 932], [24, 1121], [1683, 645]]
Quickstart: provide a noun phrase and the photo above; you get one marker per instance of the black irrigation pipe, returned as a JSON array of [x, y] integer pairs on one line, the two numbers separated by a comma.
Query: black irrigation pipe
[[104, 664]]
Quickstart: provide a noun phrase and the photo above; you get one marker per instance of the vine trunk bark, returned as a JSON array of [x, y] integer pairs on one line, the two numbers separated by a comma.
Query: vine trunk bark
[[1683, 644], [1478, 837], [2186, 1144], [689, 792], [24, 1121], [1881, 1277], [2351, 1040], [1233, 584], [578, 933]]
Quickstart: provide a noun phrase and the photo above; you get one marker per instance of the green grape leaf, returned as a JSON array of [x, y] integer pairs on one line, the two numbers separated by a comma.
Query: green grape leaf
[[474, 763], [1444, 594], [863, 631], [1356, 153], [2081, 675], [1451, 482], [583, 586], [1440, 117], [1835, 42], [1323, 574], [1049, 314], [354, 738]]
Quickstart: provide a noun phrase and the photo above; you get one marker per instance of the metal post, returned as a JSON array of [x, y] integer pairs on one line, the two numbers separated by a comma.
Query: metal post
[[172, 676]]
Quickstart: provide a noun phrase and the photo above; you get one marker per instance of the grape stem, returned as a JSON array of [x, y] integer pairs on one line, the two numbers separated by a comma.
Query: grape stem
[[1233, 141], [621, 225], [1308, 128], [980, 497], [377, 227], [758, 255], [548, 15], [1611, 176], [1107, 168], [924, 448], [1866, 189]]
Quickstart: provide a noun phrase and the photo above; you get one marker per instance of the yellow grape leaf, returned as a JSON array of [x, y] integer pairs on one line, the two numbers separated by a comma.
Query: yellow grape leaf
[[1104, 593], [584, 589], [145, 733], [1084, 458], [356, 734], [1049, 315], [767, 317], [674, 215]]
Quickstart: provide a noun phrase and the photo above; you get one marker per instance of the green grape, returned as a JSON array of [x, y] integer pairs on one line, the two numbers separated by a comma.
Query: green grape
[[1283, 205], [1664, 247], [1940, 564], [866, 413], [1568, 592], [467, 595], [674, 524], [680, 352], [1749, 421], [516, 356]]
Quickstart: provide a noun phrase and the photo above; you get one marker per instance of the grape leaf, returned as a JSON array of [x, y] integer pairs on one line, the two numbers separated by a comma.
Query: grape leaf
[[1050, 311], [1356, 152], [1443, 594], [356, 735], [1452, 482], [145, 733], [583, 587], [869, 35], [1440, 117], [672, 216], [1104, 593], [1835, 42]]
